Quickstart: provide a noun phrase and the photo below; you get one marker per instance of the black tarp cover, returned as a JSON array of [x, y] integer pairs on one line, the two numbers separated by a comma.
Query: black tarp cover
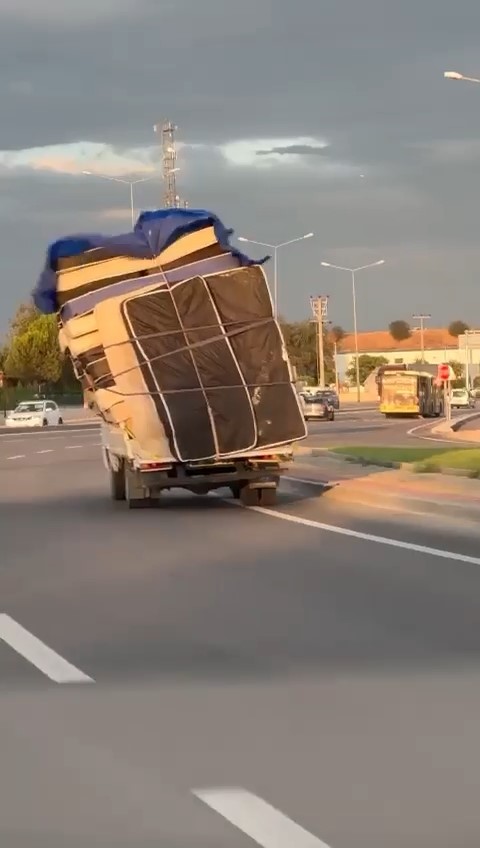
[[214, 360]]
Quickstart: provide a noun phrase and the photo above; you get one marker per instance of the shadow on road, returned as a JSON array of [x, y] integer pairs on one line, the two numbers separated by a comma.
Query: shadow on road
[[198, 589]]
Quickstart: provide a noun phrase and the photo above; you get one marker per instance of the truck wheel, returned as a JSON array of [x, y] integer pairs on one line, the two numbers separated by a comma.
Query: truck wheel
[[235, 490], [138, 503], [267, 497], [117, 484], [249, 496], [135, 494]]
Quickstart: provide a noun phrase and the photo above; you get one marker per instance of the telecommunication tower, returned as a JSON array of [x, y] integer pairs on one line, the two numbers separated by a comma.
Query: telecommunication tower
[[171, 199]]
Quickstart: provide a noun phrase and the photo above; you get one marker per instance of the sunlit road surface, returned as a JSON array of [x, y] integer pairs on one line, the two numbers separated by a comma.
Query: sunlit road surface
[[357, 426], [205, 675]]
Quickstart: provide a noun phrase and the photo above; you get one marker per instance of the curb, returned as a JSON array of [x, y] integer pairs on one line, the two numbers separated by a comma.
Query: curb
[[459, 422], [456, 424], [92, 420]]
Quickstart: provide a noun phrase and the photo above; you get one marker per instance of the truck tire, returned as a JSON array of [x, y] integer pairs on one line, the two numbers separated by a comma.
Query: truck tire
[[248, 496], [135, 495], [117, 484], [235, 490], [267, 497]]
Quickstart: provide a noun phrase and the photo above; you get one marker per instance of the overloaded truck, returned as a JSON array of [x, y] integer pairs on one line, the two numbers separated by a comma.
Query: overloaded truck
[[172, 336]]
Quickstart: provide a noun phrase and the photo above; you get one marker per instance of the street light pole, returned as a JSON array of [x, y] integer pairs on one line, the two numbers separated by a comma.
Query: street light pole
[[355, 332], [352, 272], [275, 247], [130, 183], [275, 281]]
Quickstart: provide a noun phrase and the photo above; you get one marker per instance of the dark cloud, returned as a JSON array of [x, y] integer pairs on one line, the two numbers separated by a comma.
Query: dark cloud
[[365, 76]]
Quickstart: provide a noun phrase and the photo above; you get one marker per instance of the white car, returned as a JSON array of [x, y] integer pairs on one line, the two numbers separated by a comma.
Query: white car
[[461, 399], [34, 413]]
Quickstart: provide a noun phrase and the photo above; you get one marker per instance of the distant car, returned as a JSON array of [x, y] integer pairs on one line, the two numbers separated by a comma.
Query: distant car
[[34, 413], [461, 399], [317, 407], [331, 396]]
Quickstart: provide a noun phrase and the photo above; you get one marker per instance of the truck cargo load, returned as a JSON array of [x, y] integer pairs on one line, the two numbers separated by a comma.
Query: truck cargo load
[[172, 335]]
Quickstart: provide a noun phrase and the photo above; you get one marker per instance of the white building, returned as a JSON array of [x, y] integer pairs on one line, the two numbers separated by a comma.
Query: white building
[[439, 346]]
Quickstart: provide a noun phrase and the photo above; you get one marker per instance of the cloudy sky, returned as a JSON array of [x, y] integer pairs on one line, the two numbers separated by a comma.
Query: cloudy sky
[[329, 116]]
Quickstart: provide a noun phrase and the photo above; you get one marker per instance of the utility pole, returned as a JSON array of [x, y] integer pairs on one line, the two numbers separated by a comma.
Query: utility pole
[[319, 305], [422, 318]]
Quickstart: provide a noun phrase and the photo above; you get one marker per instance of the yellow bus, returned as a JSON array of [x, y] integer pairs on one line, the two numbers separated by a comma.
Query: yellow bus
[[415, 392]]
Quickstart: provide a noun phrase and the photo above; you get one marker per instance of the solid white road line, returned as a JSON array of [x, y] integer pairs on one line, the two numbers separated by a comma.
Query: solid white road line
[[447, 441], [357, 534], [309, 481], [48, 450], [73, 447], [260, 821], [17, 456], [39, 654]]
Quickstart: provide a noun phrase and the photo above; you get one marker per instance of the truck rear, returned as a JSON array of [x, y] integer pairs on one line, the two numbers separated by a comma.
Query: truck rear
[[172, 334], [252, 478]]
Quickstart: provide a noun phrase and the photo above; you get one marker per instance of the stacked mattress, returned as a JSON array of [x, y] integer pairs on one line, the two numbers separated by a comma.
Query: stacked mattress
[[172, 336]]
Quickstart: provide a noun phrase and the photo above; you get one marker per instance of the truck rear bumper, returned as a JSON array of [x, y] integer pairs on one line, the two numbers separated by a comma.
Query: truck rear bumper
[[198, 480]]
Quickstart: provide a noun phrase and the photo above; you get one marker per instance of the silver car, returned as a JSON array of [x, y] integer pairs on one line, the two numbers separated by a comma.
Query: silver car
[[317, 407]]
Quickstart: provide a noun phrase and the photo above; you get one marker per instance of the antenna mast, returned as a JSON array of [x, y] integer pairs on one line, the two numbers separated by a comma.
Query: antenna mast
[[171, 199]]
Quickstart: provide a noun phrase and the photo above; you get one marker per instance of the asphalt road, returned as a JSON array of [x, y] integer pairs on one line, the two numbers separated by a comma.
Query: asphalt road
[[283, 653], [368, 427]]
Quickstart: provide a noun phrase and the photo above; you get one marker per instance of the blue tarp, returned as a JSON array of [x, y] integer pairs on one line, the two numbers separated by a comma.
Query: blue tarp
[[153, 233]]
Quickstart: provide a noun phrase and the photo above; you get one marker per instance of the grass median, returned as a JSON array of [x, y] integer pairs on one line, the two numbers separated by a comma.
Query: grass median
[[425, 460], [385, 453], [462, 460]]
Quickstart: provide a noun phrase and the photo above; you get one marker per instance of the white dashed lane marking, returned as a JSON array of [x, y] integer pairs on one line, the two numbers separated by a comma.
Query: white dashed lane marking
[[263, 823], [38, 654], [54, 450]]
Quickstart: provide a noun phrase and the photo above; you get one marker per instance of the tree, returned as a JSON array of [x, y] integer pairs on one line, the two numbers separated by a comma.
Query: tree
[[24, 316], [301, 342], [457, 368], [367, 364], [400, 330], [34, 354], [338, 333], [457, 328]]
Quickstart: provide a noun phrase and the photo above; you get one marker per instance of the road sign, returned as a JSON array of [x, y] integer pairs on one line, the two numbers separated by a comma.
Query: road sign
[[444, 372]]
